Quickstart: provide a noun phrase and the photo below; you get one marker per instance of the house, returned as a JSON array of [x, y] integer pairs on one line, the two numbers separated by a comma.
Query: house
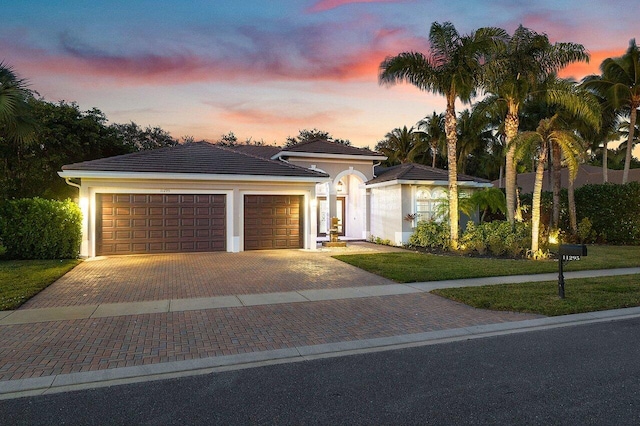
[[205, 197], [586, 175]]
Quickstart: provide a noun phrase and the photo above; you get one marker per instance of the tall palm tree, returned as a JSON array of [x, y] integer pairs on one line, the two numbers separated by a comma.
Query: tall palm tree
[[619, 83], [14, 123], [433, 127], [548, 132], [524, 61], [451, 69], [474, 138], [402, 145]]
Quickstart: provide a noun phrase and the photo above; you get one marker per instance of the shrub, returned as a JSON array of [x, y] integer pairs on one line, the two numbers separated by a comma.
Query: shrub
[[35, 228], [498, 238], [430, 234]]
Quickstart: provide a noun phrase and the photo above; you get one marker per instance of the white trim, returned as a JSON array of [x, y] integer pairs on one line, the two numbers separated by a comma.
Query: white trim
[[186, 176]]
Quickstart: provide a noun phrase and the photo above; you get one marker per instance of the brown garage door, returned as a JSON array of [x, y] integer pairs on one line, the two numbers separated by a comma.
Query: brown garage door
[[160, 223], [272, 222]]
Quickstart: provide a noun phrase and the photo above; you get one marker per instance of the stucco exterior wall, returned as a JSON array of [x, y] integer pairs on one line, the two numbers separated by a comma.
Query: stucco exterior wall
[[386, 213]]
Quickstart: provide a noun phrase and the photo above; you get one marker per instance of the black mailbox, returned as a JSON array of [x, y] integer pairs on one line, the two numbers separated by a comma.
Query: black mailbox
[[568, 252], [573, 250]]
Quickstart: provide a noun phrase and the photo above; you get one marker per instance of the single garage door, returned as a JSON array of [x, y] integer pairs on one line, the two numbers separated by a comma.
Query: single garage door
[[160, 223], [272, 222]]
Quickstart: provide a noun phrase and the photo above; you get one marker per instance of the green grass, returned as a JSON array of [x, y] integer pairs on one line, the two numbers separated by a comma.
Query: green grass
[[408, 266], [22, 279], [581, 295]]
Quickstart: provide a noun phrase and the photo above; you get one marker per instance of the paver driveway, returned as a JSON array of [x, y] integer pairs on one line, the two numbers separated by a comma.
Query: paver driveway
[[119, 279]]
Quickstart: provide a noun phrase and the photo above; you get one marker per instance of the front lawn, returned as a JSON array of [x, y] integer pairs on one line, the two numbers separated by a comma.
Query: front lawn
[[581, 295], [409, 266], [22, 279]]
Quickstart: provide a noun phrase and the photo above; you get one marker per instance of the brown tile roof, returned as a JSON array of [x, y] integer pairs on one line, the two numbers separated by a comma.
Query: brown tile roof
[[197, 157], [586, 175], [414, 171], [263, 151], [322, 146]]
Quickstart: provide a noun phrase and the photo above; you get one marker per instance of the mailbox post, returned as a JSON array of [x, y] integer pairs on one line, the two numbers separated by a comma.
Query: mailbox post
[[568, 252]]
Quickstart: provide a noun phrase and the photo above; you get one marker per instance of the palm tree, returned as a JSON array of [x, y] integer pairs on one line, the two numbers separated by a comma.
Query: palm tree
[[474, 138], [14, 122], [402, 145], [518, 69], [451, 69], [548, 132], [433, 127], [619, 83]]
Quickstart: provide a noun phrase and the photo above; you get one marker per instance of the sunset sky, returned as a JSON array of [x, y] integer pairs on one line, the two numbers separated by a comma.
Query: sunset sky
[[266, 69]]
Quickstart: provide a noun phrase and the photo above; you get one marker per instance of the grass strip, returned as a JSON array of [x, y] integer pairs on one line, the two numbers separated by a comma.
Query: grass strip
[[22, 279], [581, 295], [405, 267]]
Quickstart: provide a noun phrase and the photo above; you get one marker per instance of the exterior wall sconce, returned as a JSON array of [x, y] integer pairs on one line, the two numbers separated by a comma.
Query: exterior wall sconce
[[340, 186]]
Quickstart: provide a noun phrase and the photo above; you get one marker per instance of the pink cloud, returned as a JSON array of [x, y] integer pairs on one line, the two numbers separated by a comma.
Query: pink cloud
[[309, 53], [580, 70], [324, 5]]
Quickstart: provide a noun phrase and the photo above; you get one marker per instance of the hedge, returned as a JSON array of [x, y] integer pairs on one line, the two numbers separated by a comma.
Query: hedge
[[35, 228], [611, 210]]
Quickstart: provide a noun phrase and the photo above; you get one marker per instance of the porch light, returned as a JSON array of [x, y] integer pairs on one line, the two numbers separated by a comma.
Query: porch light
[[340, 186]]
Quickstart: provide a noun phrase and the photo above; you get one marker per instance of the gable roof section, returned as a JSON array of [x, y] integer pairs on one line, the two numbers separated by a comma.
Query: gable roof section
[[192, 158], [413, 172], [327, 149], [262, 151]]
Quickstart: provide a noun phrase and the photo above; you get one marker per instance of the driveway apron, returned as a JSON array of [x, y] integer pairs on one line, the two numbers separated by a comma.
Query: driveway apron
[[53, 348]]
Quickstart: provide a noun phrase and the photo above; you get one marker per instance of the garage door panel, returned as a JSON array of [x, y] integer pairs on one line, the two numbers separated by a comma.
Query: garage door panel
[[160, 223], [272, 222]]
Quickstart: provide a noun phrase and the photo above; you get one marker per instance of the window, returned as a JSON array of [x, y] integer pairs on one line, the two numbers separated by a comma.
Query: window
[[429, 204]]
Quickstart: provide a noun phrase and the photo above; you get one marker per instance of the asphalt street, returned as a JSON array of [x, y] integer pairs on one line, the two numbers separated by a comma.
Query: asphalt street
[[580, 375]]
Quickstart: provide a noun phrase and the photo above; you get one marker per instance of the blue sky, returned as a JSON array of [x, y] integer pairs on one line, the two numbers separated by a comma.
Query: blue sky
[[266, 69]]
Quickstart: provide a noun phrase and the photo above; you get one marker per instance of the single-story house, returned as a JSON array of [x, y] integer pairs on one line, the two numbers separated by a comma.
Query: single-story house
[[205, 197]]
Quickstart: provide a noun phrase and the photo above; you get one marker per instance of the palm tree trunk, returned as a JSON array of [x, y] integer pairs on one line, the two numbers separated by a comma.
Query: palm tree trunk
[[511, 130], [573, 221], [555, 165], [450, 130], [434, 150], [632, 128], [605, 166], [535, 207]]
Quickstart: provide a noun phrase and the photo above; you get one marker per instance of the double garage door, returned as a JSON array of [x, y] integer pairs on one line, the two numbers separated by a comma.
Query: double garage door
[[172, 223]]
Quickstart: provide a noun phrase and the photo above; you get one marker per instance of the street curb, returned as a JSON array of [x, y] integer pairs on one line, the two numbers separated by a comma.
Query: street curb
[[94, 379]]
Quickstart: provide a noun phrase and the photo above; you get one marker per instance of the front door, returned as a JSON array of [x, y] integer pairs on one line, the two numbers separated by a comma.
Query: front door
[[324, 221]]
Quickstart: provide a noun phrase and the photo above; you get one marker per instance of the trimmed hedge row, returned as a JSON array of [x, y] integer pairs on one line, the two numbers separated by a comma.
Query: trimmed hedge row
[[35, 228], [613, 212], [497, 238]]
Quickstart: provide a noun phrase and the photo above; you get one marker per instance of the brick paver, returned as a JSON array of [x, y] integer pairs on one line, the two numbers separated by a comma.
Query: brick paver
[[42, 349], [120, 279]]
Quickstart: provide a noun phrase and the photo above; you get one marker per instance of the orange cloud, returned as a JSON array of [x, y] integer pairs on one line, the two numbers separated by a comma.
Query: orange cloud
[[580, 70], [324, 5]]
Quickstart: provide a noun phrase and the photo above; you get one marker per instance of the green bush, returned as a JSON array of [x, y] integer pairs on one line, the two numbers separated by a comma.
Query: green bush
[[430, 234], [497, 238], [614, 211], [35, 228]]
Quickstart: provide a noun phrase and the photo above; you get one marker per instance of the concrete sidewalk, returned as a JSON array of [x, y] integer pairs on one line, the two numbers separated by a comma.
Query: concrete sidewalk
[[88, 346], [27, 316]]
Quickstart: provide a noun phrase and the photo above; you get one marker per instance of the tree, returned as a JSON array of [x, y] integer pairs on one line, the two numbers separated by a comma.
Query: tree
[[619, 84], [305, 135], [15, 122], [519, 67], [139, 139], [548, 132], [451, 69], [402, 145], [433, 128]]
